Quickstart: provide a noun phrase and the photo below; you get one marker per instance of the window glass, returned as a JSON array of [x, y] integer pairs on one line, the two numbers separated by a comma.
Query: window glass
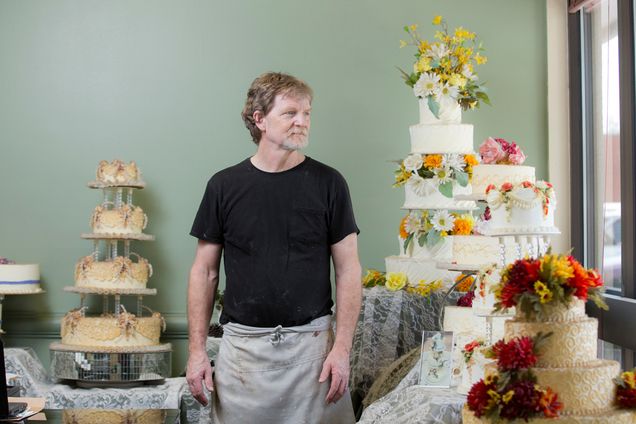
[[606, 140]]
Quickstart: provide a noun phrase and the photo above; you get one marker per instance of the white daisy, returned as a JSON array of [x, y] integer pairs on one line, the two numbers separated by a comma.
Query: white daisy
[[413, 223], [426, 85], [419, 185], [447, 92], [442, 175], [439, 51], [442, 220], [413, 162], [453, 161]]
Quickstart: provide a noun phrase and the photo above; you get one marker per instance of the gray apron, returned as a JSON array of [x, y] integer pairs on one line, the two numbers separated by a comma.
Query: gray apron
[[270, 375]]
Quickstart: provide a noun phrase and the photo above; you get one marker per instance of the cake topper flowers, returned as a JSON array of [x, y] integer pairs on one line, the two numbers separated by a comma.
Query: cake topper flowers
[[501, 152], [444, 69], [533, 284]]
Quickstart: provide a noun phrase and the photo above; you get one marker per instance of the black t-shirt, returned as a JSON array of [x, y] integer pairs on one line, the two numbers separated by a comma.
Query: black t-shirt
[[276, 230]]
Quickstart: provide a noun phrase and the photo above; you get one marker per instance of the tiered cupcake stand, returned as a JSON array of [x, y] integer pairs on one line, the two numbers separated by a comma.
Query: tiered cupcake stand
[[112, 366]]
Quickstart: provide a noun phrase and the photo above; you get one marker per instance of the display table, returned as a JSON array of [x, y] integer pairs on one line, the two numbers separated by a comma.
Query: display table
[[35, 382], [409, 403], [390, 325], [54, 416]]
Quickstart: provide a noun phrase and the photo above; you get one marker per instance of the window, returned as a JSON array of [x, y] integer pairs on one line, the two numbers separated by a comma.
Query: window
[[602, 98]]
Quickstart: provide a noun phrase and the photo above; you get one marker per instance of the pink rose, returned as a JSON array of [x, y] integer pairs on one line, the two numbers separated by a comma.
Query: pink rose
[[491, 151], [517, 158], [504, 144]]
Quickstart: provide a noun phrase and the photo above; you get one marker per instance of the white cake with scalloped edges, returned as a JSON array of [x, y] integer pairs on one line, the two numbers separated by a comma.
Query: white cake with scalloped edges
[[19, 278]]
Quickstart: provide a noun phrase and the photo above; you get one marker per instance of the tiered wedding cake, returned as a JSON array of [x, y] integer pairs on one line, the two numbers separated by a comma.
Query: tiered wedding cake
[[113, 271], [549, 294]]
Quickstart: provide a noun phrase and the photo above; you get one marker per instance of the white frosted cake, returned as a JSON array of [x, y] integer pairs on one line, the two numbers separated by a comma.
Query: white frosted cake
[[19, 278], [110, 331], [476, 250], [484, 302], [445, 134], [117, 273], [524, 208], [419, 269], [118, 172], [485, 175], [124, 220], [473, 364]]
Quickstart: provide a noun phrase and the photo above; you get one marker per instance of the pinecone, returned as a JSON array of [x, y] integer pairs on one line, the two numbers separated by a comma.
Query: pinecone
[[215, 330]]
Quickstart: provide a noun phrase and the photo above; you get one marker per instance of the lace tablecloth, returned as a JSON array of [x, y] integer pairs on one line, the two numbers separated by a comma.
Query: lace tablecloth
[[410, 404], [390, 325], [34, 381]]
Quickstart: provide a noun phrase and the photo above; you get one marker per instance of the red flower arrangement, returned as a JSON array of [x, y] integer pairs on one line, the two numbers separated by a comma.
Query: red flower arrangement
[[532, 284], [513, 393], [626, 389], [467, 299]]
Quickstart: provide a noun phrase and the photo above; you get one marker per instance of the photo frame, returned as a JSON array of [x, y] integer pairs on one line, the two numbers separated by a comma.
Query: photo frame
[[436, 359]]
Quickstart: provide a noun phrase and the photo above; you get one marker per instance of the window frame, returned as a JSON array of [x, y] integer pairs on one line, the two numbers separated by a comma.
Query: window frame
[[618, 325]]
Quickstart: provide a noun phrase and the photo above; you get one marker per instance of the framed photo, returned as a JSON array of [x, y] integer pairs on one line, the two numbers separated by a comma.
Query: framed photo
[[435, 360]]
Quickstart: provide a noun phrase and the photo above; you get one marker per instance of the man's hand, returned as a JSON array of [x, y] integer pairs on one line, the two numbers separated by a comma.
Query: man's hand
[[336, 365], [199, 371]]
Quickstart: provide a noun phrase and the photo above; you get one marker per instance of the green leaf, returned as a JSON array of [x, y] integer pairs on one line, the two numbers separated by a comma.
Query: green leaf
[[433, 106], [432, 238], [462, 178], [421, 240], [407, 241], [446, 189]]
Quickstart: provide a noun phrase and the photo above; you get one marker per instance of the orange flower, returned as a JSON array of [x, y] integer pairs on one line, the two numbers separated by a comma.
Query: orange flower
[[433, 161], [403, 233], [470, 160], [462, 227], [466, 283], [506, 187], [550, 404], [490, 187]]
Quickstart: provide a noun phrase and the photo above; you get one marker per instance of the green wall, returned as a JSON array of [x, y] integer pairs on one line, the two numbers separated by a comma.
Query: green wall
[[163, 83]]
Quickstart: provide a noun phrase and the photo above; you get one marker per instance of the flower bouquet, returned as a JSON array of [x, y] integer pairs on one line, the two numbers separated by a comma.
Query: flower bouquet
[[513, 393], [394, 281], [444, 70], [427, 173], [531, 285], [626, 389], [429, 228], [497, 151]]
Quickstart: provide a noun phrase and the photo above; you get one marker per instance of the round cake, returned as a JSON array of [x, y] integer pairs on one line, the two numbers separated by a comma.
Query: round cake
[[19, 278], [126, 219], [117, 273], [485, 175], [118, 172], [110, 331]]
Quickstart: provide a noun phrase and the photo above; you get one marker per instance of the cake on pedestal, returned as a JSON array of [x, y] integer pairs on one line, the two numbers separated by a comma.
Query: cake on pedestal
[[116, 347]]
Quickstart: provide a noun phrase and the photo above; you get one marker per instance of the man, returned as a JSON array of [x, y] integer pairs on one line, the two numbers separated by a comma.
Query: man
[[278, 217]]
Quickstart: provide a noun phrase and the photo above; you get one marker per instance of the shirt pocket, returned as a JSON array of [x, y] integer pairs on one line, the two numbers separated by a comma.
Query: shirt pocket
[[308, 226]]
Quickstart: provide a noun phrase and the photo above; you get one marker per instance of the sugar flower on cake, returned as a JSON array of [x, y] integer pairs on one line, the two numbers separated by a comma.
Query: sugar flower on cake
[[442, 172], [498, 151], [444, 68], [512, 393], [534, 285], [428, 229], [626, 389], [395, 280]]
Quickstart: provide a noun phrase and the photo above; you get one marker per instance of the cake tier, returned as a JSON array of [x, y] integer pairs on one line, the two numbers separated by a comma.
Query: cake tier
[[556, 312], [442, 251], [19, 278], [449, 112], [113, 416], [571, 344], [444, 138], [476, 250], [585, 389], [520, 210], [460, 319], [418, 269], [118, 172], [429, 197], [124, 220], [118, 273], [484, 175], [127, 330], [611, 416], [484, 301], [473, 370]]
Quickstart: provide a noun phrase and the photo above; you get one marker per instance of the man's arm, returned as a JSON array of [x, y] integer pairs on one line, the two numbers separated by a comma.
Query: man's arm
[[204, 278], [348, 300]]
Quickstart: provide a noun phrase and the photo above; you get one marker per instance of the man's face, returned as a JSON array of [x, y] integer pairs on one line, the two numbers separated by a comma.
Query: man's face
[[287, 124]]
